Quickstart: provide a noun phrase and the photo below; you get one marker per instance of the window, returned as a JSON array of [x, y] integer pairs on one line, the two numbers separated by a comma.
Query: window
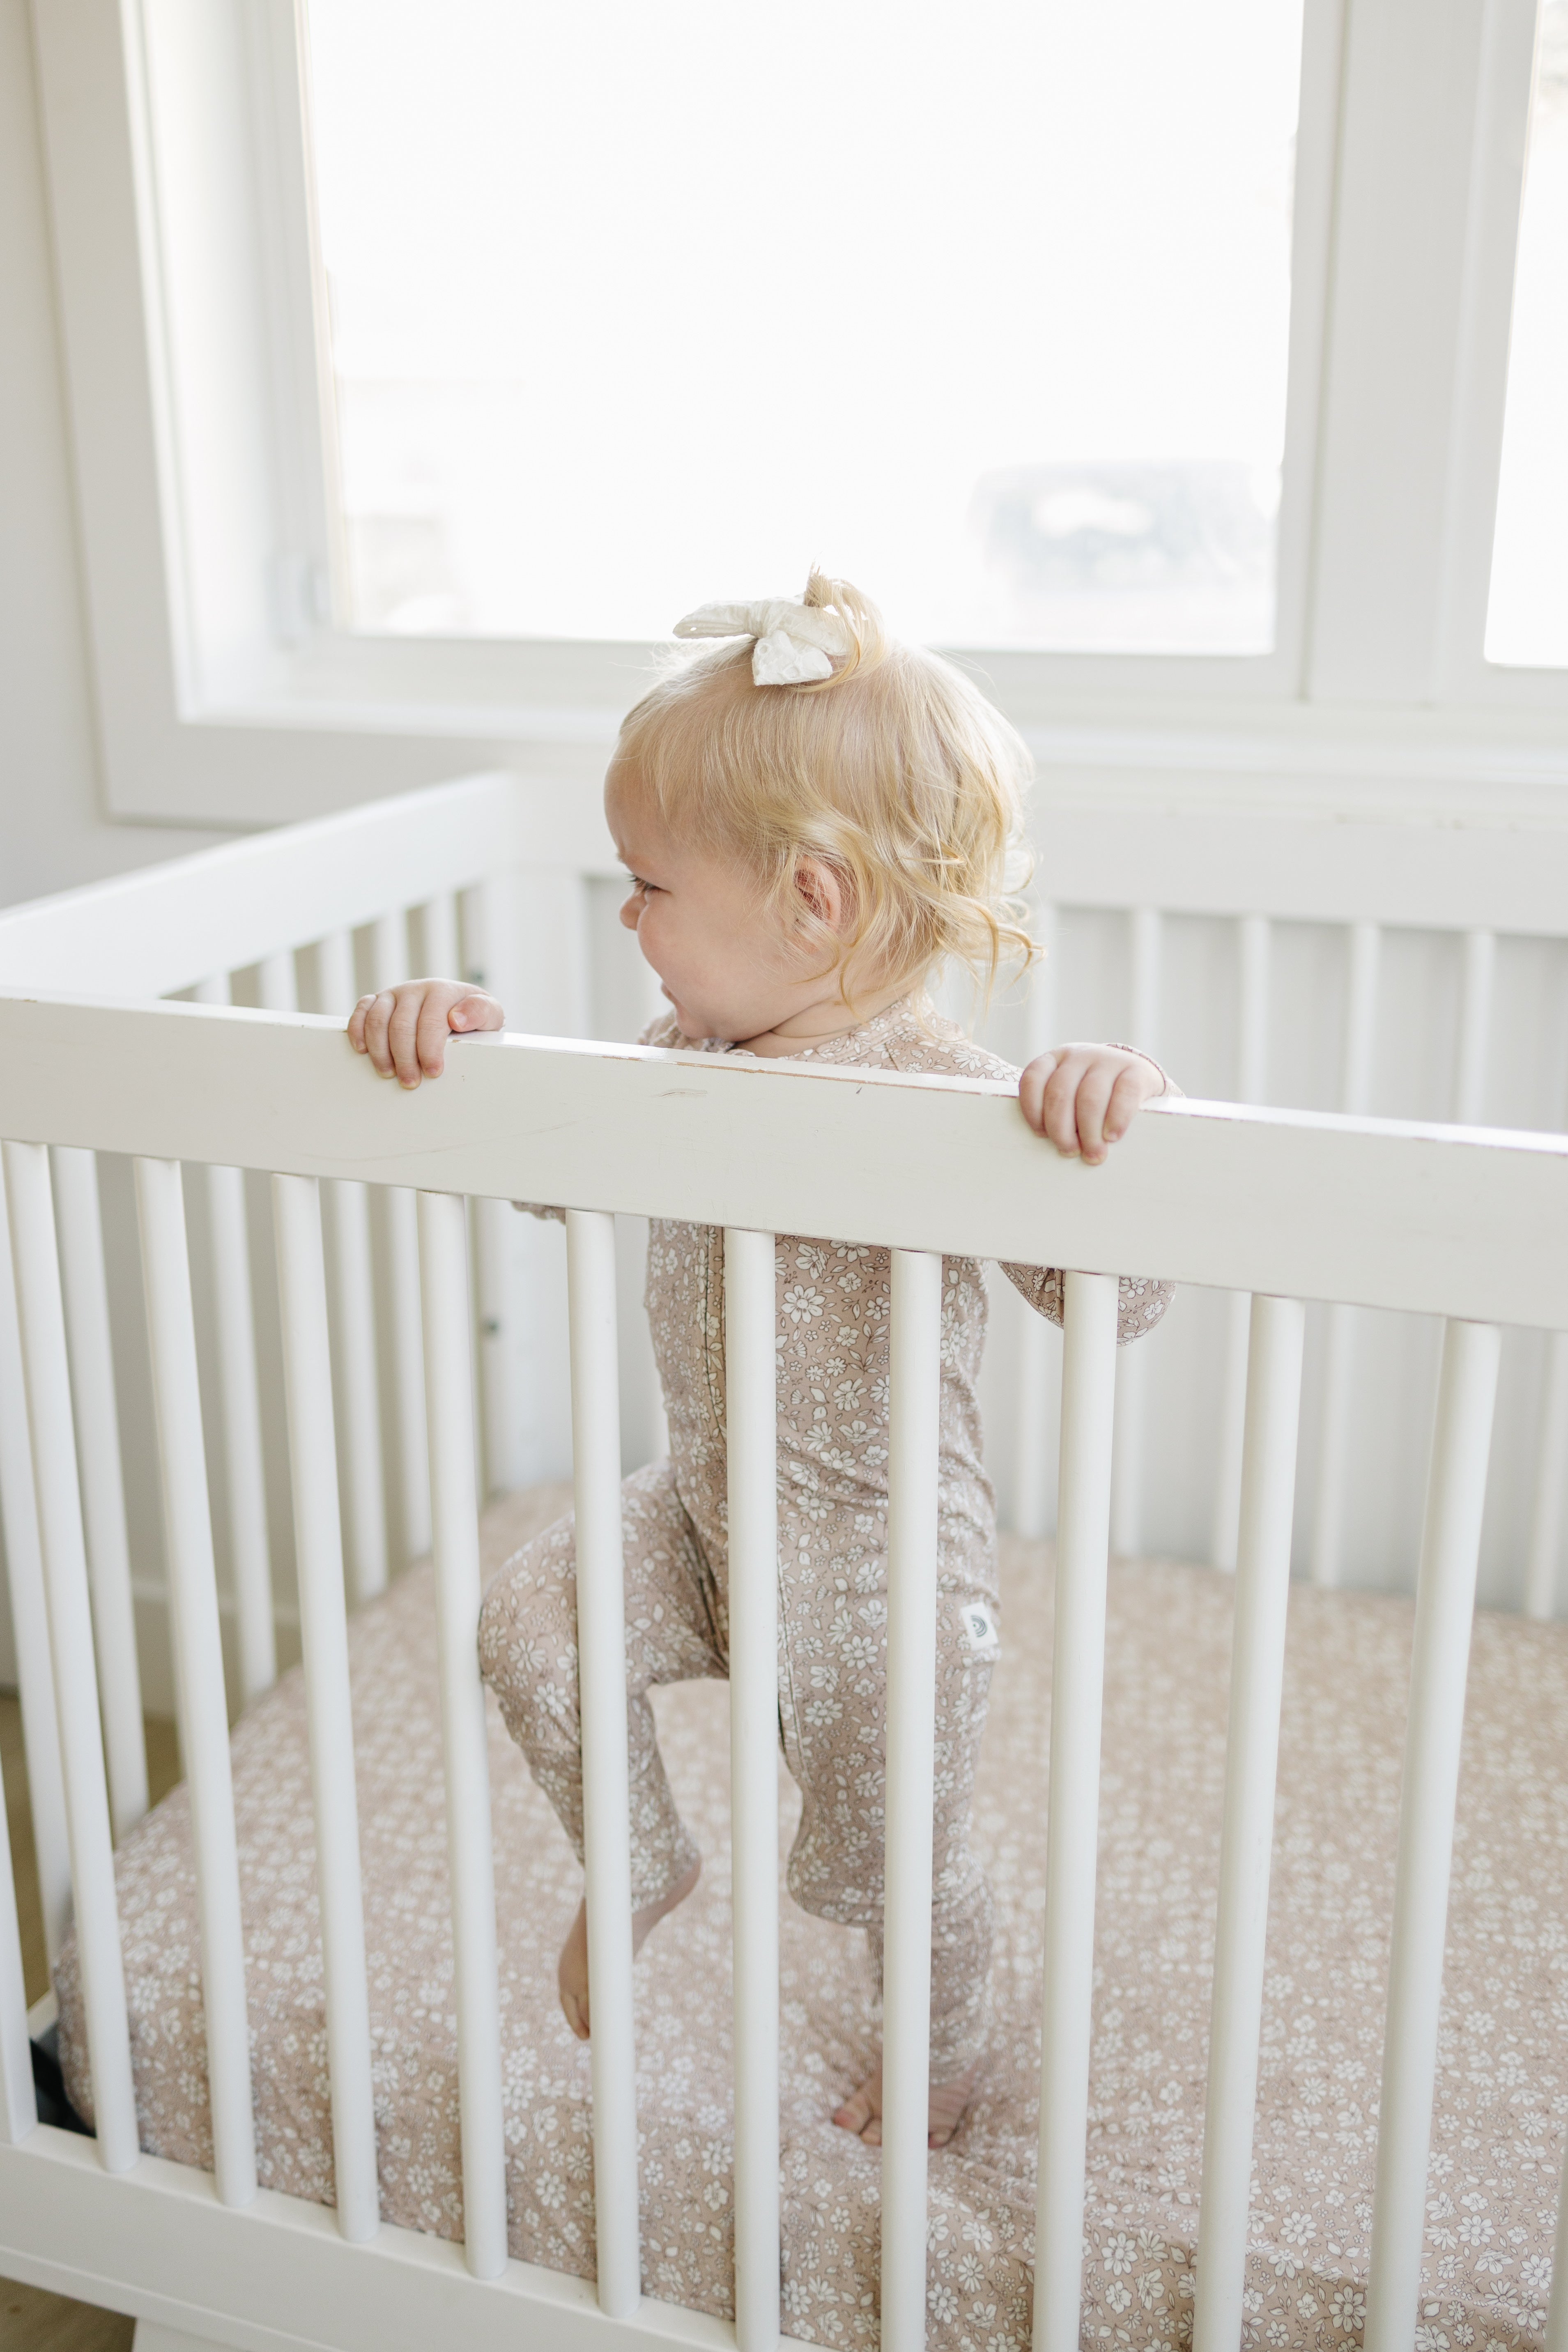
[[427, 358], [633, 307], [1527, 619]]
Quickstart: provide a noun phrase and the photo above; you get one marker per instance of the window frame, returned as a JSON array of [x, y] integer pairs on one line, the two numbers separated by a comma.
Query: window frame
[[174, 142]]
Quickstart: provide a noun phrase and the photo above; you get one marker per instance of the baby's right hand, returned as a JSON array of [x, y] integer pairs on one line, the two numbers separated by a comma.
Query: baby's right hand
[[405, 1029]]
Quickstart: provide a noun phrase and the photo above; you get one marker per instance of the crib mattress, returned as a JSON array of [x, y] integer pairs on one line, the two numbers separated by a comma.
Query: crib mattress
[[1504, 2077]]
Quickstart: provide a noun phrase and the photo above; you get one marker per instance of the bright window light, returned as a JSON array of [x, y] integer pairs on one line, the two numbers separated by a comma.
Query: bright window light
[[1527, 617], [985, 308]]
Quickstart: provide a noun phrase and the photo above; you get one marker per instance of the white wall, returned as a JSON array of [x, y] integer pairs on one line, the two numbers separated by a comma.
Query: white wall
[[52, 831]]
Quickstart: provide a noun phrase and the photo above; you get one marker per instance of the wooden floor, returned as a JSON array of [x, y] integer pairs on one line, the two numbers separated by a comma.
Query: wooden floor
[[31, 2321]]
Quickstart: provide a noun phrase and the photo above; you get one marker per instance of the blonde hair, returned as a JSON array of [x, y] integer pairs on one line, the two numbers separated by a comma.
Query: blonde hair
[[895, 772]]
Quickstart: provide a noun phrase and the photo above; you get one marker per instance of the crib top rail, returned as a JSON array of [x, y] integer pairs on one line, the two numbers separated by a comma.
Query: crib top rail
[[169, 927], [1459, 1222]]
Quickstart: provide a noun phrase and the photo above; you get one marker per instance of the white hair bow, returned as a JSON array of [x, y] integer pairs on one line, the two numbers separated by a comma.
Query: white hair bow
[[794, 642]]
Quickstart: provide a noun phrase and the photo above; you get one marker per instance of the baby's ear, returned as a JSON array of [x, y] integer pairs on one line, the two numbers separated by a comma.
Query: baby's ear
[[825, 892]]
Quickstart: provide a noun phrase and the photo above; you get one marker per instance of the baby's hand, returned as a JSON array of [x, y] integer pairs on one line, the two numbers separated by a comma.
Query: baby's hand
[[405, 1029], [1083, 1099]]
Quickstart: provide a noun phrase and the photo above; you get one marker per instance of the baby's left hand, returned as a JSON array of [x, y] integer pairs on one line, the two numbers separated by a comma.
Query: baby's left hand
[[1083, 1099]]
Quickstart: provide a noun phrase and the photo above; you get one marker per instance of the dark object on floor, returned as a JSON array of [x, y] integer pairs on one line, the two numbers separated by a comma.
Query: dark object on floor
[[48, 2085]]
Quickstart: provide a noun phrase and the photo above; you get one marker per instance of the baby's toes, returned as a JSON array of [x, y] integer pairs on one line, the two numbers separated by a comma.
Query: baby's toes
[[855, 2114]]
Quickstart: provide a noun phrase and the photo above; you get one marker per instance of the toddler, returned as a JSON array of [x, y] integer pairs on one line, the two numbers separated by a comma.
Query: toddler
[[814, 819]]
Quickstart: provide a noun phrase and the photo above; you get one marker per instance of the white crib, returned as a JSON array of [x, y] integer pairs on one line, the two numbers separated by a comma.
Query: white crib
[[1278, 1207]]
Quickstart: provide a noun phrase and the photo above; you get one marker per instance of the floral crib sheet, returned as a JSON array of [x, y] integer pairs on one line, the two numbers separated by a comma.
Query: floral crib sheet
[[1503, 2071]]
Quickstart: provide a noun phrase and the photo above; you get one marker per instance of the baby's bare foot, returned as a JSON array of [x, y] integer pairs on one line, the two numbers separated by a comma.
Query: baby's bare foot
[[572, 1974], [862, 2111]]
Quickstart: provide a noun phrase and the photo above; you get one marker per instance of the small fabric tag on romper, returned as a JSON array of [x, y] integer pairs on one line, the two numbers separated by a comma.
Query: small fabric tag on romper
[[979, 1625]]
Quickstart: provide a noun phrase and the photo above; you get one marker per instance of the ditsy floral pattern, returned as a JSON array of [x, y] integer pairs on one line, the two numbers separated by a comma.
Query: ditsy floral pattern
[[1503, 2098]]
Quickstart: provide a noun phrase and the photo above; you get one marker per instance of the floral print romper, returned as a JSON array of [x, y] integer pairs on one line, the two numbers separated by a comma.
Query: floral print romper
[[833, 1305]]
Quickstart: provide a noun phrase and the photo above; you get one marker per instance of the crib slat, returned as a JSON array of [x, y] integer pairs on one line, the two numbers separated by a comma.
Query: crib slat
[[1038, 1376], [1470, 1056], [18, 2107], [1333, 1447], [751, 1423], [1038, 1372], [1256, 1676], [353, 1293], [1078, 1678], [250, 1552], [1550, 1502], [323, 1639], [277, 986], [1340, 1348], [198, 1677], [438, 928], [1254, 937], [1041, 1008], [1132, 1363], [1232, 1417], [448, 1380], [1255, 940], [239, 1408], [1361, 1019], [29, 1622], [500, 1323], [488, 941], [606, 1798], [914, 1353], [41, 1314], [1445, 1606], [347, 1208], [85, 1287], [406, 1349]]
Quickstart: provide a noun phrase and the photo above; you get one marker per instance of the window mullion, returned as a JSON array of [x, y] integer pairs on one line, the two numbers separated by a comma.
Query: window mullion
[[1410, 122]]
